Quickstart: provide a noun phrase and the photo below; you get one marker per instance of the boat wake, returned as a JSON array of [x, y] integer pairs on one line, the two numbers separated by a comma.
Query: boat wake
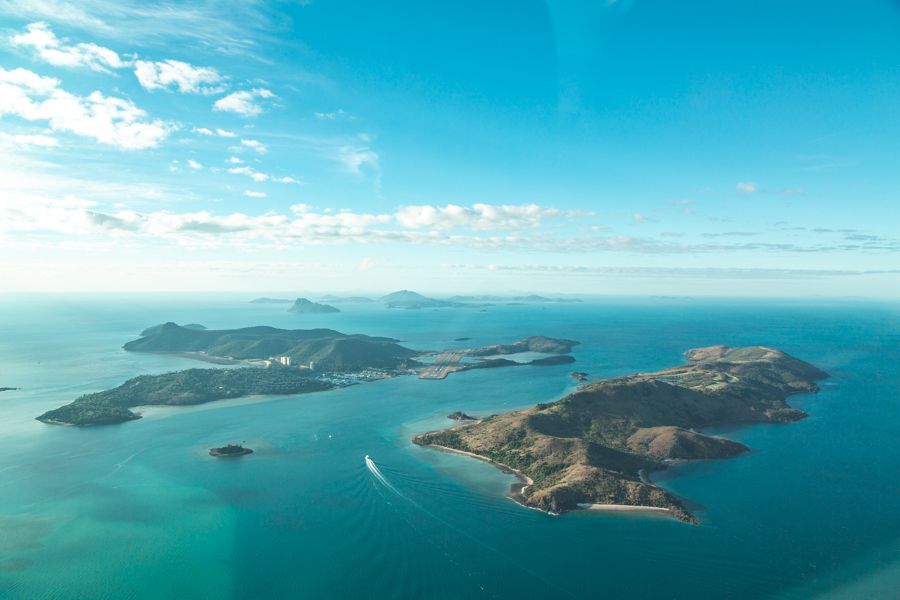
[[379, 476], [373, 468]]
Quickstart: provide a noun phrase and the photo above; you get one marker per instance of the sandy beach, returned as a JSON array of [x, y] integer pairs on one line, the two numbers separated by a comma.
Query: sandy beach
[[621, 507]]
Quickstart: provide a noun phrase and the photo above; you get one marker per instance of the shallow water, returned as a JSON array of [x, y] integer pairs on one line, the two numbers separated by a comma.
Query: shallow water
[[140, 510]]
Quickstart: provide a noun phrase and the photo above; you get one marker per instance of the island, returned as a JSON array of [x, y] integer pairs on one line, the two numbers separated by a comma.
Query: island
[[270, 301], [593, 448], [346, 299], [412, 300], [537, 343], [327, 349], [580, 376], [229, 451], [182, 388], [7, 389], [529, 299], [307, 307], [157, 328]]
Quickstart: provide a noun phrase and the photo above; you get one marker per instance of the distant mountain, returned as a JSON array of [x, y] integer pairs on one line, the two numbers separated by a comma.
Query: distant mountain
[[331, 350], [412, 300], [307, 307], [531, 298], [270, 301], [156, 328], [346, 299]]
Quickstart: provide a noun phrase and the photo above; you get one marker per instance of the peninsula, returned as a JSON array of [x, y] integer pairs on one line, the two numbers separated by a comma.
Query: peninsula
[[182, 388], [591, 449]]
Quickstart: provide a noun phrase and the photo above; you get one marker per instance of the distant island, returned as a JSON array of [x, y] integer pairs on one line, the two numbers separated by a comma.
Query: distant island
[[307, 307], [592, 448], [270, 301], [529, 299], [157, 328], [346, 299], [412, 300], [7, 389], [231, 450], [536, 343]]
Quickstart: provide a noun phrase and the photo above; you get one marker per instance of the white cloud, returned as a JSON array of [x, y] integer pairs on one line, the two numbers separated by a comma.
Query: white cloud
[[746, 187], [245, 102], [642, 218], [365, 264], [478, 216], [354, 158], [203, 131], [287, 180], [249, 172], [51, 49], [256, 145], [332, 116], [225, 133], [109, 120], [234, 160], [194, 164], [187, 78], [25, 140], [252, 194]]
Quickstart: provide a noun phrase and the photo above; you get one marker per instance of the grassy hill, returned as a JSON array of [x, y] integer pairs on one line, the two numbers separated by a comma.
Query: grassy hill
[[330, 349], [590, 446]]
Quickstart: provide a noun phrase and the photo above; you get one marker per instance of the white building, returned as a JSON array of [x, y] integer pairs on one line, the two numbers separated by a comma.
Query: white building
[[285, 360]]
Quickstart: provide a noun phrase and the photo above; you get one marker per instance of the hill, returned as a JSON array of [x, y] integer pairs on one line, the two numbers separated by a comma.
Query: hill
[[329, 349], [307, 307], [413, 300], [193, 386], [535, 343], [590, 447]]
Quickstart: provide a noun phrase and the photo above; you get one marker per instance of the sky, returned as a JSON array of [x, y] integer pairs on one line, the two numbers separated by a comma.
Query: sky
[[732, 148]]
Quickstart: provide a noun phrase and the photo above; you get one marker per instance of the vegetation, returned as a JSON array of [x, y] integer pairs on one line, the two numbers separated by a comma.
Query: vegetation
[[330, 350], [193, 386], [537, 343], [591, 446]]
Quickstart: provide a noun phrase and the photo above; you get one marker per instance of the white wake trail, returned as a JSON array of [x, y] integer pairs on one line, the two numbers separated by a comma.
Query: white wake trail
[[373, 468]]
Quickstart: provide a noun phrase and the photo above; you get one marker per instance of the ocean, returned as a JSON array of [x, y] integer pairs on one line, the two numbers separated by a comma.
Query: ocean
[[139, 510]]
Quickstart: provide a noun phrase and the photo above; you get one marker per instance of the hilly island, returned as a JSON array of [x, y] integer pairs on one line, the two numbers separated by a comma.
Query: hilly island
[[273, 362], [284, 362], [592, 448]]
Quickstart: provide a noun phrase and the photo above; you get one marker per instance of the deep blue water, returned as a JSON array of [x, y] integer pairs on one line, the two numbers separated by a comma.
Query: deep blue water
[[140, 511]]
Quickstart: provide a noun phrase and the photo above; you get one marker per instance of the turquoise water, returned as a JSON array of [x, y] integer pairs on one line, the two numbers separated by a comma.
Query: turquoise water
[[140, 511]]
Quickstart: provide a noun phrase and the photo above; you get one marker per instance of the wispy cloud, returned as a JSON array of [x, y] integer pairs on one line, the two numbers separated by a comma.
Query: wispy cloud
[[746, 187], [45, 45], [246, 103], [184, 77], [334, 115], [255, 145]]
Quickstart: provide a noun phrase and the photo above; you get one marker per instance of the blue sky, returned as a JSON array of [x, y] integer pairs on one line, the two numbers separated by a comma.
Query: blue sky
[[608, 147]]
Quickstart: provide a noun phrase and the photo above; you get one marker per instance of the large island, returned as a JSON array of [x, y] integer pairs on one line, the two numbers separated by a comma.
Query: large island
[[592, 448], [284, 362]]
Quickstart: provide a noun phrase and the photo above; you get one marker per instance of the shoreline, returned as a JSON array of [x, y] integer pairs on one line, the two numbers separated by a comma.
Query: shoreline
[[517, 490]]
